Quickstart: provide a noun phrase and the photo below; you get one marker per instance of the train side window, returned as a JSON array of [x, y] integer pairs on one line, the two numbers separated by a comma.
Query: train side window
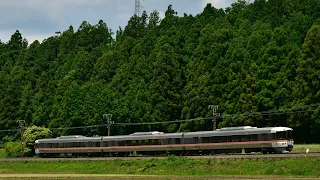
[[120, 143], [60, 145], [177, 140], [54, 145], [188, 140], [236, 138], [105, 143], [71, 144], [245, 138], [223, 139], [161, 141], [133, 142], [155, 141], [253, 137], [229, 138], [214, 139], [206, 140], [146, 142], [128, 143]]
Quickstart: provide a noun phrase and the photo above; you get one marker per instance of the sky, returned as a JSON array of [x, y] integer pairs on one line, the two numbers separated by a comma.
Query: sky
[[40, 19]]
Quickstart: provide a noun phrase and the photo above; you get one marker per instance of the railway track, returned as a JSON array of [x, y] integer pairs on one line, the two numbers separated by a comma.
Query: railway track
[[214, 157]]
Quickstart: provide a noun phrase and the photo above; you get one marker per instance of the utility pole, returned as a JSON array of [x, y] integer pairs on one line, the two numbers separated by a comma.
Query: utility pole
[[22, 126], [214, 121], [108, 116]]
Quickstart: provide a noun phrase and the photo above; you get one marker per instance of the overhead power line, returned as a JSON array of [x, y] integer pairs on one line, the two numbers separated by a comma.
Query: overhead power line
[[297, 109]]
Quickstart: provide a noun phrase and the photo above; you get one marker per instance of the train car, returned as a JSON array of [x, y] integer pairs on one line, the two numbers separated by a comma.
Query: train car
[[226, 140]]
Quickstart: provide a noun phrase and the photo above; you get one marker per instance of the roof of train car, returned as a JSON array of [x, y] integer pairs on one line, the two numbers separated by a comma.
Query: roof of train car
[[219, 132]]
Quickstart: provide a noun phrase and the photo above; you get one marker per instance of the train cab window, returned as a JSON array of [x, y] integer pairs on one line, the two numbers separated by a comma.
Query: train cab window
[[281, 135], [289, 134]]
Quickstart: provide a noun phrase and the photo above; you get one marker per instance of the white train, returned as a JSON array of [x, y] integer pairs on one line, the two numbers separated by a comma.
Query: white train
[[225, 140]]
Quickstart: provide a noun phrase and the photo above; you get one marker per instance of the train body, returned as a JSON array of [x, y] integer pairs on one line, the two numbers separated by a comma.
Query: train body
[[226, 140]]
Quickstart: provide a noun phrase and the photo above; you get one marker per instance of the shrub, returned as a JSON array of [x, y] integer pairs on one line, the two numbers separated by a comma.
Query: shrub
[[13, 149]]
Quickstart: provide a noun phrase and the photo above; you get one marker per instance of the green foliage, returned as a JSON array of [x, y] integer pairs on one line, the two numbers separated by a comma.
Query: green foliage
[[3, 153], [250, 57], [31, 134], [13, 149]]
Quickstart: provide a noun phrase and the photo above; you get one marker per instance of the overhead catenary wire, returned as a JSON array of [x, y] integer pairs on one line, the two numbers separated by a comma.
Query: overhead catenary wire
[[262, 113]]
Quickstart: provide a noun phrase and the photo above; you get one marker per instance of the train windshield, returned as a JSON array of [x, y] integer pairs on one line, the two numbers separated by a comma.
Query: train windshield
[[281, 135]]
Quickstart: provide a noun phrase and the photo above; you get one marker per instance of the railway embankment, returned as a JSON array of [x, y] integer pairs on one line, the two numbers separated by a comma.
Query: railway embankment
[[172, 165]]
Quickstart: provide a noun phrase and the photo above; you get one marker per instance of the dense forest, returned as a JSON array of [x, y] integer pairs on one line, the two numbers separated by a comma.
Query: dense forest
[[249, 57]]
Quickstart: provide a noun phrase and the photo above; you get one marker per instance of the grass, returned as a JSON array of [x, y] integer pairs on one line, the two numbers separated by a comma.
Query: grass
[[3, 153], [172, 165], [301, 148]]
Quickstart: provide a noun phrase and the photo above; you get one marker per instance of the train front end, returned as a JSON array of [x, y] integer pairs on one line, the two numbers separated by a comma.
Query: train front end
[[282, 141], [36, 148]]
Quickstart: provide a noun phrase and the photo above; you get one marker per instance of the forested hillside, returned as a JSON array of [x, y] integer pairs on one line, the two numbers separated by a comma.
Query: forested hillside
[[250, 57]]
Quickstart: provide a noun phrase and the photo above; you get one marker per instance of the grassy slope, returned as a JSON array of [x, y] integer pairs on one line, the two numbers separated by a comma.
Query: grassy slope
[[304, 167], [301, 148]]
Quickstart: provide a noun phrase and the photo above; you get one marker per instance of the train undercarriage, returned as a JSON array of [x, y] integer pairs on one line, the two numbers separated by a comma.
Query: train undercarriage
[[165, 153]]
